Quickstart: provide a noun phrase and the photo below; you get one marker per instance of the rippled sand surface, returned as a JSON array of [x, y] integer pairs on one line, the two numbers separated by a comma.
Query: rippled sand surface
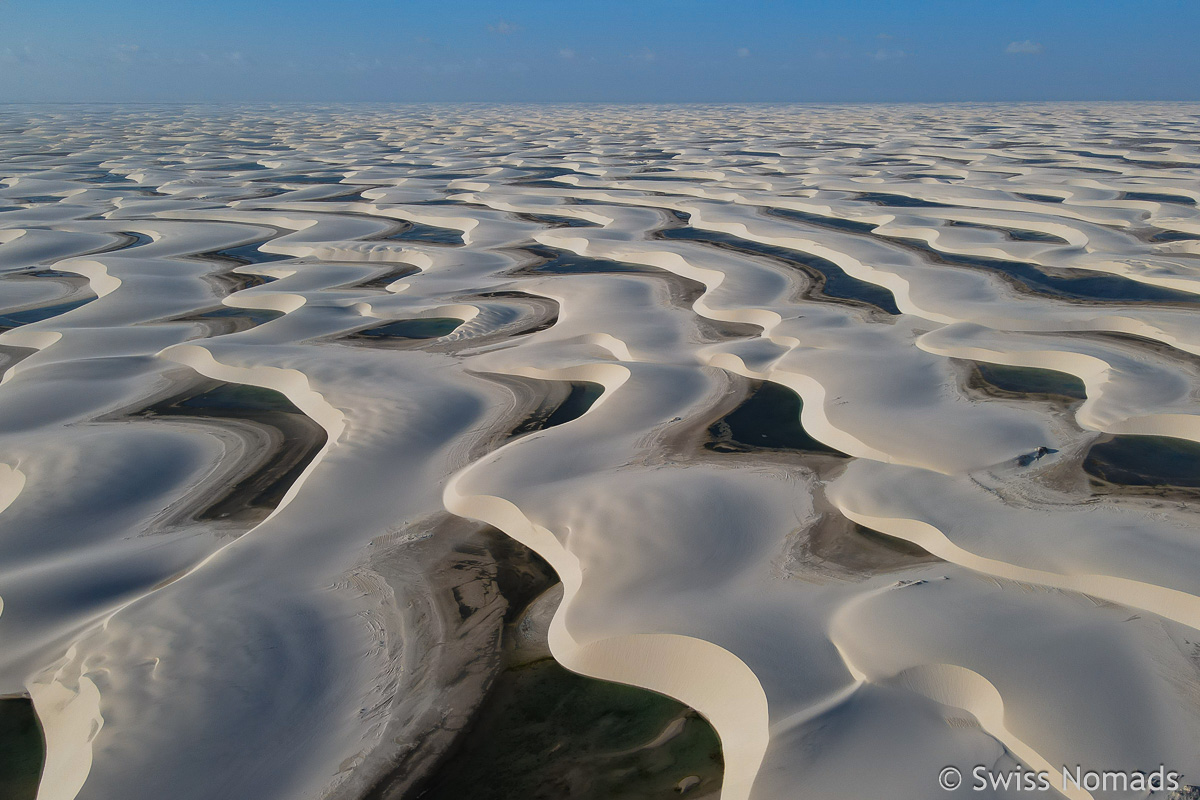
[[796, 401]]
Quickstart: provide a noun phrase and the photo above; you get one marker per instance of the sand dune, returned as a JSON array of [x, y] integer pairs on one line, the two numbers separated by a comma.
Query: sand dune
[[964, 299]]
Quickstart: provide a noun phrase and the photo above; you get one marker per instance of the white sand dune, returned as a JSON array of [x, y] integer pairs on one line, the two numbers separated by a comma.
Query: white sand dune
[[1003, 609]]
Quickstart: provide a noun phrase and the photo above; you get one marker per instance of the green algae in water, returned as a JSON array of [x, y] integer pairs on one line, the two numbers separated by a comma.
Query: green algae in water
[[22, 749], [546, 733], [1145, 461], [770, 418], [427, 328], [1032, 380]]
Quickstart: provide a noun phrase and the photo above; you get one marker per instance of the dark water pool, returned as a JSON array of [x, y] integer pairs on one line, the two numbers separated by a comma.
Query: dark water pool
[[769, 418], [1145, 461], [22, 749], [1031, 380]]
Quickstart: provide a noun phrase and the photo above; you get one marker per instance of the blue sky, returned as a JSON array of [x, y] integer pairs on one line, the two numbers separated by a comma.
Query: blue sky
[[586, 50]]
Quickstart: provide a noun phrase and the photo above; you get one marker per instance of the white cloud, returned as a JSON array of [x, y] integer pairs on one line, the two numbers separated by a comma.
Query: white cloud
[[1024, 48], [645, 54], [743, 52], [566, 53], [888, 55], [504, 28]]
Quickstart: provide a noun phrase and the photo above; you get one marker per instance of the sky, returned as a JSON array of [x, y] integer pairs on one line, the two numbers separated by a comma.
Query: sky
[[593, 51]]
